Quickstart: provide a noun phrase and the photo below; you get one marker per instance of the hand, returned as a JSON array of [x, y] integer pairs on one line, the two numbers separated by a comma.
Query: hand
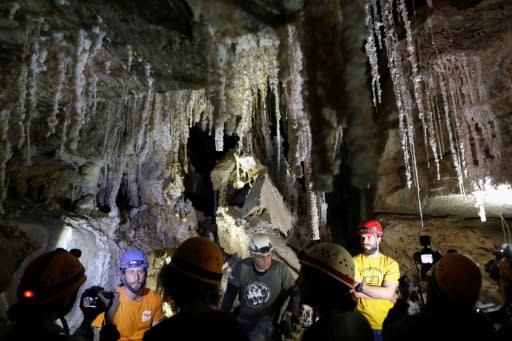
[[111, 304], [287, 325], [89, 305], [394, 298]]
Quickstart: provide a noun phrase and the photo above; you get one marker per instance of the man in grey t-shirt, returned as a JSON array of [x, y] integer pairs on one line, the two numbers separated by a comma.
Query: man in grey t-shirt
[[263, 285]]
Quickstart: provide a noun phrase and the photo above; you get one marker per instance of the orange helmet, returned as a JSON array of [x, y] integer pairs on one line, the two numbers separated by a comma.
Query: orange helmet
[[457, 278], [199, 258], [370, 226], [505, 264], [505, 267], [51, 276]]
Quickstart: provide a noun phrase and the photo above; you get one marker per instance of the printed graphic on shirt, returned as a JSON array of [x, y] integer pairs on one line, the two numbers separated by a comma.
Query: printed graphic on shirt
[[372, 275], [146, 315], [256, 294]]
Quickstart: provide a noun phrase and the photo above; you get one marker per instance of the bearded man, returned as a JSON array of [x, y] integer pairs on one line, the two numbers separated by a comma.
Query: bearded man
[[376, 277]]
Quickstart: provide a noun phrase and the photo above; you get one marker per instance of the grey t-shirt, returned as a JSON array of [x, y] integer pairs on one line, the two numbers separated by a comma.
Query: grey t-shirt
[[261, 295]]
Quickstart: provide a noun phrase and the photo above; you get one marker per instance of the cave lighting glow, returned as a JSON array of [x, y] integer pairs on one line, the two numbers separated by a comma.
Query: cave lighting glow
[[65, 239], [488, 195]]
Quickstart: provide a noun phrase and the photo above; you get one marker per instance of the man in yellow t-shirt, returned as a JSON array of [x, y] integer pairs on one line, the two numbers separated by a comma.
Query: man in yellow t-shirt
[[135, 308], [376, 277]]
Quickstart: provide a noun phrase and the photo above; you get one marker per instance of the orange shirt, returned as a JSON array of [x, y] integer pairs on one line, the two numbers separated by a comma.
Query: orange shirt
[[134, 318]]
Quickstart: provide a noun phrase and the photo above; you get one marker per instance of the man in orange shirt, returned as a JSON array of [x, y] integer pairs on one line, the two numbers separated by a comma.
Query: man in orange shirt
[[135, 308]]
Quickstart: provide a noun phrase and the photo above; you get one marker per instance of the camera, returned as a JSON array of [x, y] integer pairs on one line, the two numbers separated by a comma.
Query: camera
[[91, 301], [426, 257]]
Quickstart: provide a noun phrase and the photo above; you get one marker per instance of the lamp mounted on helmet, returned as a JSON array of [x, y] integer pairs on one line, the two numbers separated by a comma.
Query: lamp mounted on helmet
[[133, 259]]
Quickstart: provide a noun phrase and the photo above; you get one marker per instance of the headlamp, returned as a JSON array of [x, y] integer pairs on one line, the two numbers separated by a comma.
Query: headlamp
[[135, 263]]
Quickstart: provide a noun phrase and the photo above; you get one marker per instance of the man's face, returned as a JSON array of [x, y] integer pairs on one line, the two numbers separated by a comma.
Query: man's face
[[262, 261], [135, 279], [370, 243]]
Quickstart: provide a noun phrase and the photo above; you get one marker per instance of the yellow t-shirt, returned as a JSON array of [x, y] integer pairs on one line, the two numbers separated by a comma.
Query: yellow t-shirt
[[134, 318], [375, 272]]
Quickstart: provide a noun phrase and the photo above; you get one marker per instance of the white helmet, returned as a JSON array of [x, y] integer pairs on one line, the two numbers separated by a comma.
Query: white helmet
[[260, 243], [332, 259]]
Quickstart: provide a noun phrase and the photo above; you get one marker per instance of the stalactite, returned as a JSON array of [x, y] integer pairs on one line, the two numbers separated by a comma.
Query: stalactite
[[156, 119], [404, 99], [451, 137], [179, 128], [311, 197], [417, 83], [105, 152], [216, 85], [93, 92], [63, 62], [273, 70], [37, 58], [79, 81], [297, 117], [394, 64], [299, 133], [91, 102], [146, 111], [5, 153], [371, 51], [447, 96], [479, 191], [21, 110]]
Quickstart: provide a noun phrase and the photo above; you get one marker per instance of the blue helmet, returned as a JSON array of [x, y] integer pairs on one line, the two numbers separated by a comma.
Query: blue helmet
[[133, 259]]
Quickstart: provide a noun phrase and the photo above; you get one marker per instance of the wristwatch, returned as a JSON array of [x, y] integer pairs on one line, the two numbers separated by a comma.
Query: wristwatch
[[359, 287]]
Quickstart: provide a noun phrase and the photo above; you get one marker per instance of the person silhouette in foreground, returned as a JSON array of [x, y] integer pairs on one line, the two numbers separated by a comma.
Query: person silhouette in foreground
[[449, 313], [47, 291], [191, 284], [504, 321], [325, 283]]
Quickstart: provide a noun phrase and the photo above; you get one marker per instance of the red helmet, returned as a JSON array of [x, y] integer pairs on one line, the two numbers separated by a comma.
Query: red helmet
[[370, 226]]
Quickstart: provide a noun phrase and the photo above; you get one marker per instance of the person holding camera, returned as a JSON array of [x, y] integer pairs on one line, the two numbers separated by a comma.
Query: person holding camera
[[133, 309], [449, 314], [46, 293], [191, 284], [376, 277]]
